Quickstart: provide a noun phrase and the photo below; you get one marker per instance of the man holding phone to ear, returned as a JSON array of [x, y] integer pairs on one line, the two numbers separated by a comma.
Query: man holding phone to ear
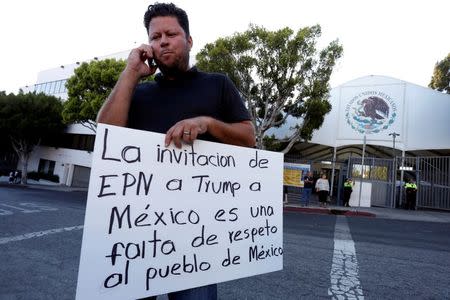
[[183, 102]]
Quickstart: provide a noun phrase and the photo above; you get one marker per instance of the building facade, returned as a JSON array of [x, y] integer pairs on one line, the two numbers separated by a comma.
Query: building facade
[[69, 158]]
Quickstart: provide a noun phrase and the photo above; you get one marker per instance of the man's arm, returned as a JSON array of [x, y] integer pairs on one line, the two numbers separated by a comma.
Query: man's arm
[[239, 134], [115, 109]]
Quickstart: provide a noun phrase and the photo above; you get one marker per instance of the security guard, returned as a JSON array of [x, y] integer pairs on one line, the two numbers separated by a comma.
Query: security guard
[[411, 189], [348, 189]]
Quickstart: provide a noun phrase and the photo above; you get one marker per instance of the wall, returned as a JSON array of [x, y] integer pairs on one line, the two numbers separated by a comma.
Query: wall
[[65, 160]]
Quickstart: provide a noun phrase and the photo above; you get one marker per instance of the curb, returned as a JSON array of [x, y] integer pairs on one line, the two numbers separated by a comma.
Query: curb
[[57, 188], [327, 211]]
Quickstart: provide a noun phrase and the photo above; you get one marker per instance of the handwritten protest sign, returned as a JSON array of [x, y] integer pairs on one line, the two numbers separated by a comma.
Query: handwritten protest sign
[[165, 219]]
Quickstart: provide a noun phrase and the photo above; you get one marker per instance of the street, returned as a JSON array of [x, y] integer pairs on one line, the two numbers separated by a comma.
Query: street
[[325, 256]]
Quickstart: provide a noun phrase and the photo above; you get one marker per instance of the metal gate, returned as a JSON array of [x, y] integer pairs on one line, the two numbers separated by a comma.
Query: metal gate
[[379, 173], [432, 176], [81, 176], [387, 178]]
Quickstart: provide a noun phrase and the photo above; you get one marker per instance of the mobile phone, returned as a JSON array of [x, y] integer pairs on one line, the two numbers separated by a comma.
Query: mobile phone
[[151, 62]]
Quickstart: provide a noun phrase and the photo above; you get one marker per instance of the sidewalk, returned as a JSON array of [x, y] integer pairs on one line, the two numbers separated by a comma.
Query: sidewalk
[[373, 212], [42, 184]]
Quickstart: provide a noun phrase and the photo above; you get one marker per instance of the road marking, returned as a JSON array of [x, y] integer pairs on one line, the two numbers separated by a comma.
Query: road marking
[[24, 207], [4, 212], [21, 209], [345, 282], [31, 235]]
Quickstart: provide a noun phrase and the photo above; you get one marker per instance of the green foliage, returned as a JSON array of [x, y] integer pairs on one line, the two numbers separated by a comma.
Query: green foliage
[[28, 118], [279, 74], [273, 144], [441, 76], [88, 88]]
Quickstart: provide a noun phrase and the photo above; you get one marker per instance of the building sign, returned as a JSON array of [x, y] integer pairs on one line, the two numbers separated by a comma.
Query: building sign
[[403, 168], [166, 219], [371, 112]]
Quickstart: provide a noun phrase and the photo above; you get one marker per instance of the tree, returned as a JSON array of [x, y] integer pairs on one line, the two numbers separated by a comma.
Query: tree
[[88, 88], [26, 119], [441, 76], [279, 74]]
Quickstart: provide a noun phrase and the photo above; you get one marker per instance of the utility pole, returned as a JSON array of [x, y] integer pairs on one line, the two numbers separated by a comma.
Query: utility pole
[[394, 166]]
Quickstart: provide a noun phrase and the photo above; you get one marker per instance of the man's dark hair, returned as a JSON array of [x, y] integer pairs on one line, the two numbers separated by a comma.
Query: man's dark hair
[[167, 10]]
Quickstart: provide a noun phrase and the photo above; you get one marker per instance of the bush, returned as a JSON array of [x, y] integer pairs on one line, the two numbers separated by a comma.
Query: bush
[[39, 175], [33, 175]]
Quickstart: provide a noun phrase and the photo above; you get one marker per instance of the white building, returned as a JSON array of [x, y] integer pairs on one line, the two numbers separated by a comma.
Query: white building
[[375, 107], [378, 105], [71, 159]]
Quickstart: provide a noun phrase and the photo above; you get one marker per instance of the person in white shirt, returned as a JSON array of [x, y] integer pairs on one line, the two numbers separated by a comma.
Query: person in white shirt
[[323, 188]]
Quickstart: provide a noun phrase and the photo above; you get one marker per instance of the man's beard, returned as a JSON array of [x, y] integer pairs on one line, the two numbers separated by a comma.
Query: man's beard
[[179, 66]]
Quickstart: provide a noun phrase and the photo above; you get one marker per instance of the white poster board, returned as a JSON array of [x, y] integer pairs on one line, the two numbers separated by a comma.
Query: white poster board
[[165, 219], [366, 192]]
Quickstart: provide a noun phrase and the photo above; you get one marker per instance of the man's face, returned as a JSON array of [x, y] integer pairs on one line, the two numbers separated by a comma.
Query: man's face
[[169, 43]]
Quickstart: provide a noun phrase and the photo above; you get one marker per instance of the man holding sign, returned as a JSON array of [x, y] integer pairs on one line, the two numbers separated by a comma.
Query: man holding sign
[[183, 103]]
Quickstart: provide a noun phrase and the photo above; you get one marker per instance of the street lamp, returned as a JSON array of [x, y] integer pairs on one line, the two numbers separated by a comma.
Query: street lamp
[[394, 167], [394, 135]]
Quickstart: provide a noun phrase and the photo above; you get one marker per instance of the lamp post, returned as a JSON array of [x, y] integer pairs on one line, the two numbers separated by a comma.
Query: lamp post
[[394, 135], [394, 166], [362, 170]]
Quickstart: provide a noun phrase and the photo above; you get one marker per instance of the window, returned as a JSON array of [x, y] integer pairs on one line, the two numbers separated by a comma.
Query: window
[[71, 141], [51, 88], [370, 172], [63, 86], [46, 166], [58, 87], [38, 88]]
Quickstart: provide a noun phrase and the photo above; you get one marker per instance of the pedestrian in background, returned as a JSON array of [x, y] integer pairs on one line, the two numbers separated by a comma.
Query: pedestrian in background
[[348, 189], [11, 177], [17, 177], [308, 184], [323, 188]]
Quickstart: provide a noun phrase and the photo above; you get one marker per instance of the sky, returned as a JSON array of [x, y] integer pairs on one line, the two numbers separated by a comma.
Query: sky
[[396, 38]]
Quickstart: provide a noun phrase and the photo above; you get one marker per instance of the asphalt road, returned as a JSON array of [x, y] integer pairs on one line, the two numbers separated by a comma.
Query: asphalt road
[[40, 240]]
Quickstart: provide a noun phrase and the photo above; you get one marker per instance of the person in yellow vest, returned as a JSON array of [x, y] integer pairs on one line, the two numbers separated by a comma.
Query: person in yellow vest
[[348, 189], [411, 190]]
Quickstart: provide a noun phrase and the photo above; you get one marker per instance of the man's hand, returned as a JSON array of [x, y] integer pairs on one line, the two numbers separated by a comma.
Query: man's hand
[[187, 130], [136, 65], [238, 133], [115, 109]]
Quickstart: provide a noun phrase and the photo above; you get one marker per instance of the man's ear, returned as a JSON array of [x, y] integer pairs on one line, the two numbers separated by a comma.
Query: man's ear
[[190, 42]]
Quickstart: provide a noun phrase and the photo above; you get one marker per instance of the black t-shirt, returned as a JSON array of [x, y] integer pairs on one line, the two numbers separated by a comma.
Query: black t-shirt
[[157, 106], [308, 185]]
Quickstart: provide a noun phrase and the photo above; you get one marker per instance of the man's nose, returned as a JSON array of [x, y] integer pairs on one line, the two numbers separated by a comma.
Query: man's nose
[[164, 40]]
